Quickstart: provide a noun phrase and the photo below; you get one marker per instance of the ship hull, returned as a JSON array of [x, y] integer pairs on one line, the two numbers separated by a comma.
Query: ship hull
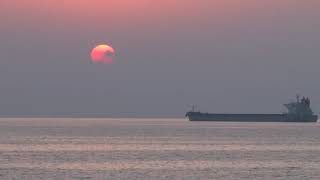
[[198, 116]]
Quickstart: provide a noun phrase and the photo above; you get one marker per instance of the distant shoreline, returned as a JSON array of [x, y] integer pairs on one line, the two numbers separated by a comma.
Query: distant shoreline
[[91, 116]]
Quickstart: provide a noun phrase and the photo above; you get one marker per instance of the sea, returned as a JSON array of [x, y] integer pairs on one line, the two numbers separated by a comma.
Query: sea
[[84, 148]]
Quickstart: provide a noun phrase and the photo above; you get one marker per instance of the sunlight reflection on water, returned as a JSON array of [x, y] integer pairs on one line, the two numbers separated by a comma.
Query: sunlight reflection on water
[[157, 149]]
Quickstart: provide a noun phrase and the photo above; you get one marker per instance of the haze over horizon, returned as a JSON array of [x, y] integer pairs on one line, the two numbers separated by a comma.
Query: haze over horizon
[[241, 56]]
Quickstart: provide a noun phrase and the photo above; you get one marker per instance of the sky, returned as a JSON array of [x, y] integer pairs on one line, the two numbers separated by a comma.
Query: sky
[[230, 56]]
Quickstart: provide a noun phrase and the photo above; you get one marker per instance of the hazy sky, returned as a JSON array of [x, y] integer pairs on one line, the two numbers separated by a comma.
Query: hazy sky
[[242, 56]]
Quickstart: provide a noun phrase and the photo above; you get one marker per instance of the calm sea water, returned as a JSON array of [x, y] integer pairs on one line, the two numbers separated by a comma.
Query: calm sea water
[[157, 149]]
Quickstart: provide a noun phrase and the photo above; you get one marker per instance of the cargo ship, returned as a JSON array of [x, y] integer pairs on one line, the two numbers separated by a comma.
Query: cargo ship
[[298, 111]]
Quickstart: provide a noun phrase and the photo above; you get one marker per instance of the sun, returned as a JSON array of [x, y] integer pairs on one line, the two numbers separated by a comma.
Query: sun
[[102, 53]]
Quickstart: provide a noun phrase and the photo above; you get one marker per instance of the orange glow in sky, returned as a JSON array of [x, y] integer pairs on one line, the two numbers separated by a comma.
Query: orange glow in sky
[[123, 14]]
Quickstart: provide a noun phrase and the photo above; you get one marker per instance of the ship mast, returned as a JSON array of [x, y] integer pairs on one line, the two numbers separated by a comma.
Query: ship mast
[[298, 98], [193, 108]]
